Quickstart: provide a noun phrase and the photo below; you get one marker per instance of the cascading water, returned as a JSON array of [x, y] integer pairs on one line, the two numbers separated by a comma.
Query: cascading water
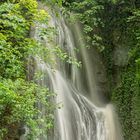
[[83, 115]]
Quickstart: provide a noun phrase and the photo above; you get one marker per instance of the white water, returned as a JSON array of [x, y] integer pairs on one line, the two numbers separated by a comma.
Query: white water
[[83, 115]]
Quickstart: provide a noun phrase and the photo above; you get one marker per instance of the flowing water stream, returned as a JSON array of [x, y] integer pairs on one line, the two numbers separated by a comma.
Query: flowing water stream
[[84, 115]]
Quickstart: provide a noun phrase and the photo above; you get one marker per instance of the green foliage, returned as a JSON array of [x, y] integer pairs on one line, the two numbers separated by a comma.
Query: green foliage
[[122, 97], [126, 95], [14, 43], [17, 101], [85, 11], [19, 98], [65, 57], [53, 2]]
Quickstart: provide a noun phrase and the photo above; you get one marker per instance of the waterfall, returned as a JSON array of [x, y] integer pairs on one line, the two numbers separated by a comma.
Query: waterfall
[[84, 115]]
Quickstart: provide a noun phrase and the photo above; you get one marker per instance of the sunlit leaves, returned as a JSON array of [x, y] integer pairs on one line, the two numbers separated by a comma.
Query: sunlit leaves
[[18, 98], [54, 2], [43, 18]]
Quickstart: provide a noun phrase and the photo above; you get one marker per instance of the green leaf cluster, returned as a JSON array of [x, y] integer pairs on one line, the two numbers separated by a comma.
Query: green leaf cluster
[[19, 97], [18, 104], [54, 2]]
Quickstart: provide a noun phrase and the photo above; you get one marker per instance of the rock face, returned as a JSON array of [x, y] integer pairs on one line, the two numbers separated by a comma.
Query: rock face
[[121, 56], [100, 75]]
